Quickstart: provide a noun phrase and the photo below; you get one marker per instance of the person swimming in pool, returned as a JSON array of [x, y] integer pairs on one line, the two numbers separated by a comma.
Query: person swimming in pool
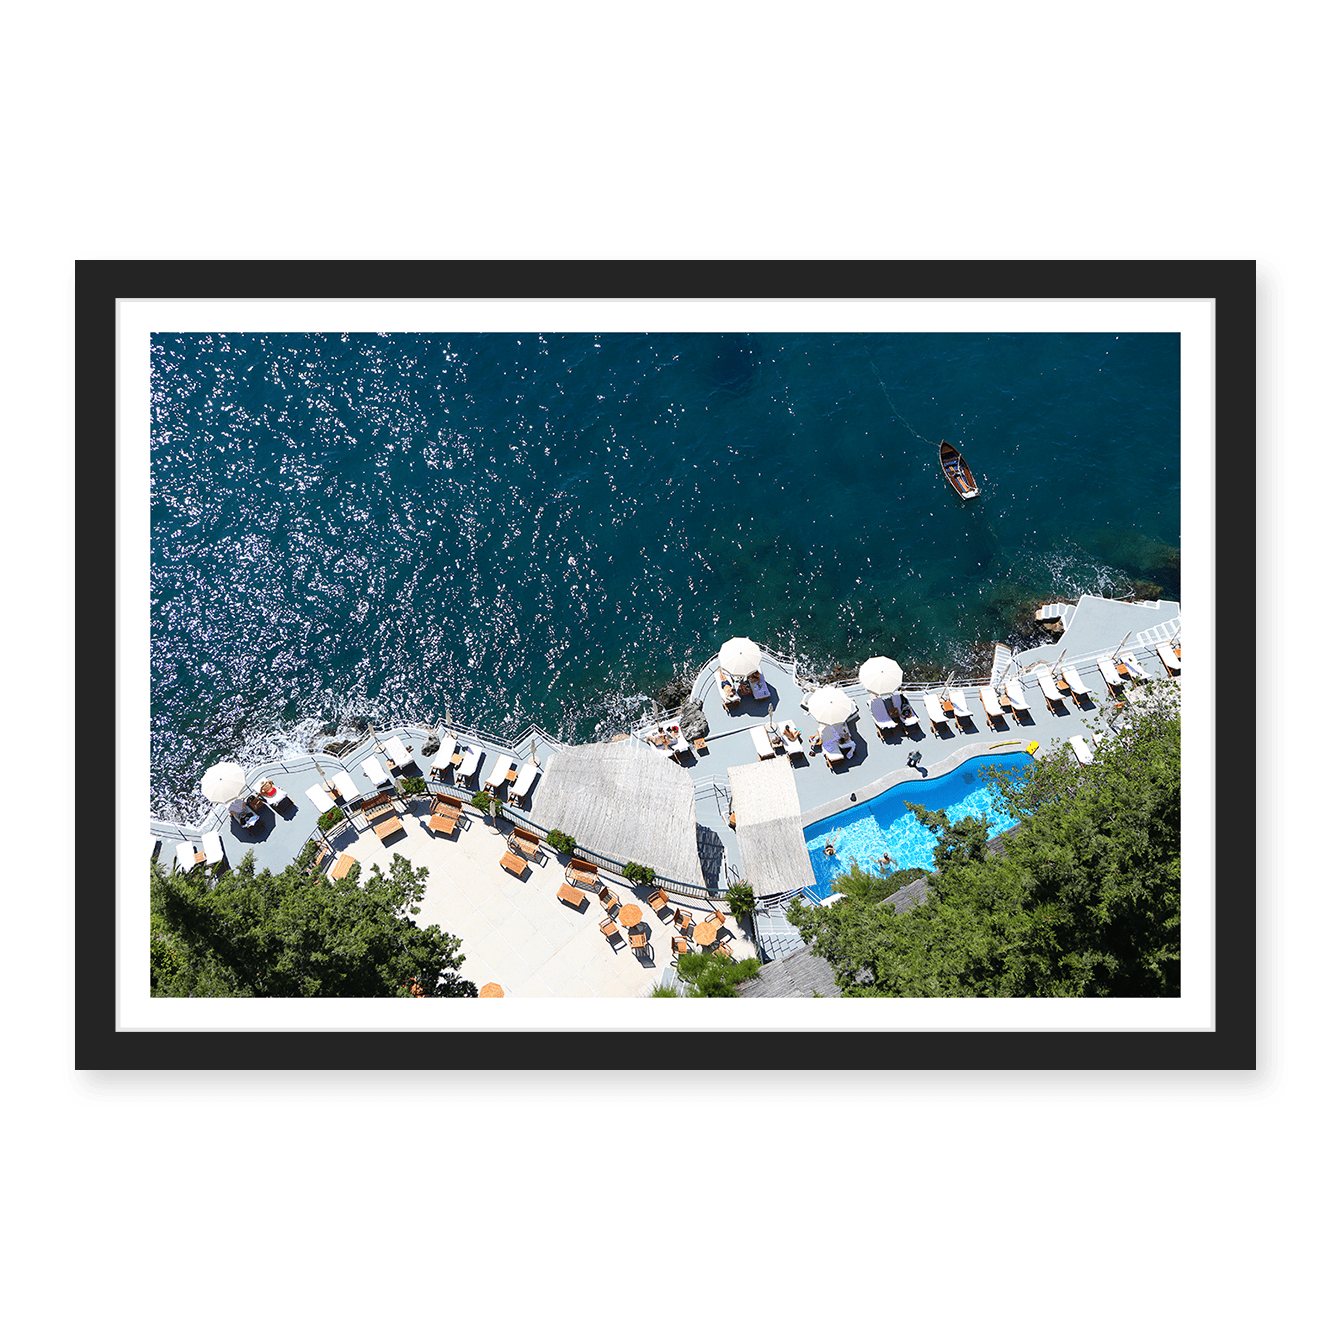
[[830, 847]]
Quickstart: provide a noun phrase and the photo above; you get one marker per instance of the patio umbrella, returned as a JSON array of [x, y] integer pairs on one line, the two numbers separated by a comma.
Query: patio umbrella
[[740, 655], [223, 782], [533, 751], [830, 706], [880, 675]]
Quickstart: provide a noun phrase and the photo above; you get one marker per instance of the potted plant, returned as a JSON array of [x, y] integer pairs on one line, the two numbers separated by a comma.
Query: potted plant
[[560, 842], [742, 898]]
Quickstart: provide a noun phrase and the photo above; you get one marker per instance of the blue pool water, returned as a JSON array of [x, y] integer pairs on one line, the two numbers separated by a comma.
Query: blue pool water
[[864, 831]]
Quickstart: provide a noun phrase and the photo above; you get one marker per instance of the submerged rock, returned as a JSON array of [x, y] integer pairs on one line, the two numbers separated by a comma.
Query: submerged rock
[[674, 693]]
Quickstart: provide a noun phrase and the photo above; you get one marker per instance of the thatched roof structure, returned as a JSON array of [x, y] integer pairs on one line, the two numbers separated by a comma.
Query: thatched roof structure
[[769, 828], [626, 800]]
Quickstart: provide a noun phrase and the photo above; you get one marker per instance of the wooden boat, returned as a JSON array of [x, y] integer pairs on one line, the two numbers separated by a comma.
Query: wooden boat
[[956, 471]]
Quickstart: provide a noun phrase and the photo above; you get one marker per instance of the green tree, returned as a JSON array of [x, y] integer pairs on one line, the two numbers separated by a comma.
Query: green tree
[[709, 974], [297, 934], [1083, 900]]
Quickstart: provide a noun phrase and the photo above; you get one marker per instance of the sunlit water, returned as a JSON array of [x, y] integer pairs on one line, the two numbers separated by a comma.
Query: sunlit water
[[549, 528]]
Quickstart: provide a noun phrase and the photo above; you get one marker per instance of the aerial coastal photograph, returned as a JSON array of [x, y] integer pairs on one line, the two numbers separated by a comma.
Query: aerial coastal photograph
[[736, 665]]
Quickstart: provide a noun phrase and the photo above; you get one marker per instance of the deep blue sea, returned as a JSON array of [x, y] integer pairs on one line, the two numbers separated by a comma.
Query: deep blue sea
[[552, 527]]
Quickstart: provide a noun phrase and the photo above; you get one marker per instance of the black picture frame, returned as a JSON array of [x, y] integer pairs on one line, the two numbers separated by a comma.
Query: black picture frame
[[1242, 1062]]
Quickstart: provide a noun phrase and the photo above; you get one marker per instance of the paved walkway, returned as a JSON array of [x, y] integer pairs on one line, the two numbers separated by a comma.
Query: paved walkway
[[516, 932]]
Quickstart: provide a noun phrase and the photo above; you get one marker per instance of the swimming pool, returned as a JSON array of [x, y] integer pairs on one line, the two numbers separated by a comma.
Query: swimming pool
[[865, 830]]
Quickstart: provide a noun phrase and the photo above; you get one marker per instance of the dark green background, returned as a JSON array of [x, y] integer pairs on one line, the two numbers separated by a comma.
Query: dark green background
[[592, 127]]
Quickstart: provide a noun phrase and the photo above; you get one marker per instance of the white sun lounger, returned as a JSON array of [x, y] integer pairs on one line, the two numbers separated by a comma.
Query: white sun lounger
[[212, 848], [1110, 672], [184, 856], [319, 798], [958, 704], [470, 762], [397, 753], [762, 741], [374, 773], [345, 786], [444, 757], [1048, 686], [1169, 658], [1016, 696], [526, 778], [760, 688], [1078, 689], [503, 764], [988, 698], [877, 708], [1082, 750], [792, 746], [936, 716], [1133, 666]]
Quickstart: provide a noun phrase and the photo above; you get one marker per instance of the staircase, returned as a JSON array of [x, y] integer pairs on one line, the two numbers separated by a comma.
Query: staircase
[[1001, 659]]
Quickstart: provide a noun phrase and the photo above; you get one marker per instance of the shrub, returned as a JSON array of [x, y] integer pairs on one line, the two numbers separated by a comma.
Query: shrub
[[561, 842], [712, 975], [331, 818], [413, 785], [742, 899], [639, 874], [665, 990], [481, 799]]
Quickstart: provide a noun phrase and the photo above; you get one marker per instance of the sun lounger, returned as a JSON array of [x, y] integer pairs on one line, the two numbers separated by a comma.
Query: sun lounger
[[792, 741], [958, 707], [1169, 659], [988, 698], [504, 767], [526, 778], [186, 856], [374, 773], [1110, 672], [397, 753], [1082, 750], [212, 848], [1016, 696], [1048, 686], [762, 742], [1133, 666], [470, 763], [933, 704], [345, 786], [243, 814], [443, 759], [760, 688], [1078, 689], [877, 708], [729, 695], [831, 746]]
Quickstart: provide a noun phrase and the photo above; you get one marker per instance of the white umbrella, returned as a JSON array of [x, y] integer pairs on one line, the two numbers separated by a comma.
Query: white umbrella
[[740, 655], [223, 782], [831, 706], [880, 675]]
